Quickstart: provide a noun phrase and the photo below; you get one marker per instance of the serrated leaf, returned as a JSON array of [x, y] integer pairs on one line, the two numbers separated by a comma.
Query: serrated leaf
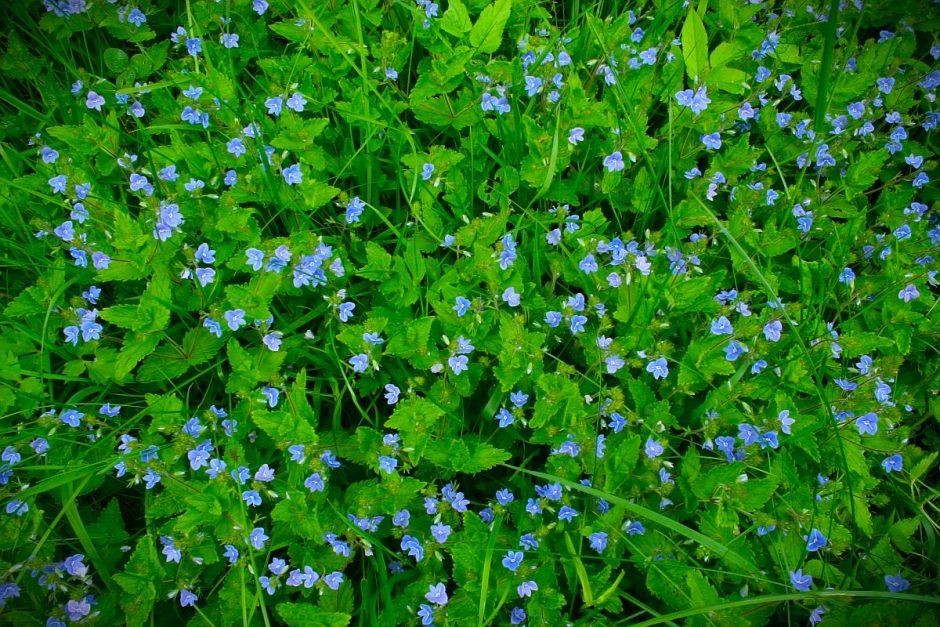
[[136, 347], [199, 346], [901, 533], [865, 170], [415, 419], [456, 20], [124, 316], [921, 468], [487, 32], [483, 457], [448, 453], [317, 193]]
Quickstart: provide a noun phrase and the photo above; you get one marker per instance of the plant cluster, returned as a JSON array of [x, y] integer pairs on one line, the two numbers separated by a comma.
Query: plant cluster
[[480, 312]]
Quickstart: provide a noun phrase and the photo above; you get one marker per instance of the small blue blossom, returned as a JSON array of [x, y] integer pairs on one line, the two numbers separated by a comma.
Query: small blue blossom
[[815, 541], [614, 162], [894, 463], [658, 368], [513, 560], [800, 581]]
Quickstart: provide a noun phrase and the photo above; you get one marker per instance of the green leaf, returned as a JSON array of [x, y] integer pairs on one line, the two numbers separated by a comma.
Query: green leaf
[[136, 347], [298, 516], [317, 193], [865, 170], [199, 346], [488, 30], [283, 426], [449, 453], [455, 20], [694, 45], [412, 339], [415, 418], [124, 316], [143, 568], [483, 457], [379, 263], [309, 615], [116, 60], [901, 533]]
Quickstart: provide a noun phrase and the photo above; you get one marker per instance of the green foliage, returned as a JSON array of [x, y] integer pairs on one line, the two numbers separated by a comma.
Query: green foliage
[[336, 323]]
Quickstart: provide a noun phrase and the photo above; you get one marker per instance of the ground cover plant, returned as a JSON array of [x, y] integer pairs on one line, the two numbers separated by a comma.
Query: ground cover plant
[[474, 312]]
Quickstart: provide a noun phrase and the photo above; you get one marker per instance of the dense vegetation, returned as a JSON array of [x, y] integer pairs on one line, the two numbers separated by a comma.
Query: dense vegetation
[[385, 312]]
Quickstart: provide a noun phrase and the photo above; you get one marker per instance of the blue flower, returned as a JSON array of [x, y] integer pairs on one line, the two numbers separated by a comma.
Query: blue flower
[[426, 614], [441, 532], [867, 423], [697, 101], [526, 588], [634, 528], [194, 46], [272, 395], [576, 136], [296, 102], [517, 616], [653, 449], [614, 363], [314, 483], [462, 306], [257, 538], [896, 583], [333, 580], [894, 463], [292, 175], [588, 265], [734, 349], [235, 318], [437, 594], [100, 260], [458, 363], [504, 417], [346, 311], [411, 546], [712, 141], [908, 293], [94, 101], [518, 398], [388, 464], [816, 540], [354, 210], [272, 340], [511, 297], [614, 161], [722, 326], [71, 417], [533, 85], [772, 330], [577, 323], [598, 541], [274, 105], [513, 560], [359, 362], [205, 276], [800, 581], [151, 478], [658, 368], [229, 40]]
